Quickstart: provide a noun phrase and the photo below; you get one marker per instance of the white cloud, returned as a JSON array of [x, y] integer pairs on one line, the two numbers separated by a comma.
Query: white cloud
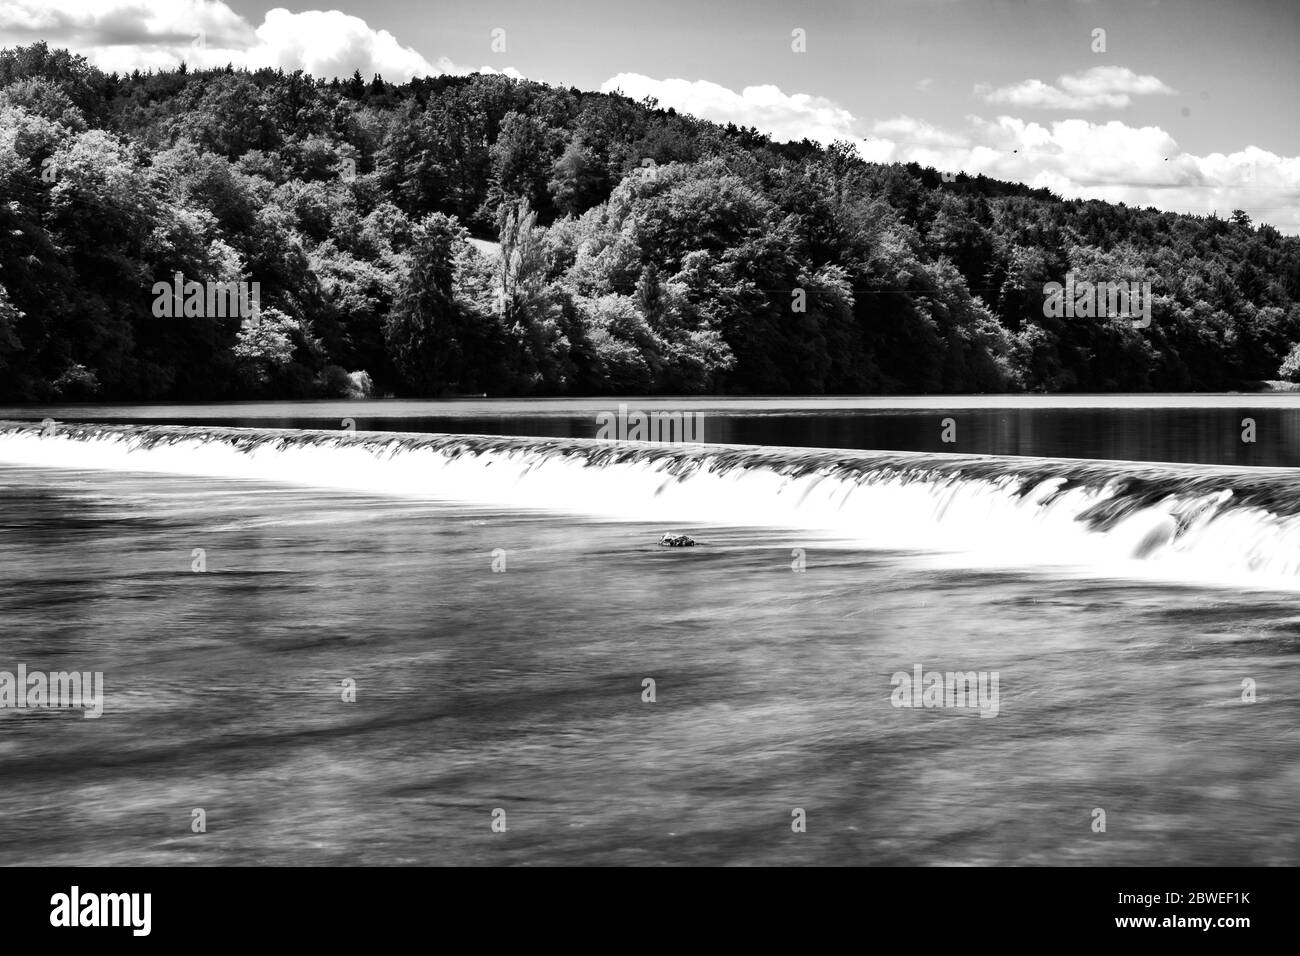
[[793, 116], [1139, 166], [331, 43], [918, 132], [125, 35], [1108, 87]]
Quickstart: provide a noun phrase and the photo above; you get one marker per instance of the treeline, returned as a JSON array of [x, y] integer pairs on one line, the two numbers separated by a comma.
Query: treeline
[[640, 251]]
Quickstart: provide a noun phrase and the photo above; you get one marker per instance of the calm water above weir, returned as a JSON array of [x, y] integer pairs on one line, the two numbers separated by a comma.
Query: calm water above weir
[[1205, 429]]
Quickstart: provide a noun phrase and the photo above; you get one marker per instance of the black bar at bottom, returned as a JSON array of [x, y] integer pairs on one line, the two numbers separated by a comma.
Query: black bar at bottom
[[333, 906]]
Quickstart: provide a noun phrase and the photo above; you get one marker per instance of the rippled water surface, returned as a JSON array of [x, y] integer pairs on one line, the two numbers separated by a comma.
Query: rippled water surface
[[523, 690]]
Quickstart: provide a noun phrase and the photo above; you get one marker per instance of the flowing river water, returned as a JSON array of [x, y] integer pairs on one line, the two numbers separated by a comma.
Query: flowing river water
[[392, 646]]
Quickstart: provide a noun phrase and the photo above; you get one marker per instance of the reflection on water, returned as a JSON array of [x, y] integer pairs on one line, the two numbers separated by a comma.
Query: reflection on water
[[1204, 429], [523, 690]]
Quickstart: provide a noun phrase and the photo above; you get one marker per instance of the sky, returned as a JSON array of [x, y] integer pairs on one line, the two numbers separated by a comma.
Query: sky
[[1187, 105]]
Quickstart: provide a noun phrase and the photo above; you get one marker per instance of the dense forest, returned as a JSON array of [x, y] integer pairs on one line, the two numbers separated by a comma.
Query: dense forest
[[480, 234]]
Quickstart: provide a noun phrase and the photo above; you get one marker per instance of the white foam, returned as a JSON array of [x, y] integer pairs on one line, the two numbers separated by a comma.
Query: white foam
[[986, 519]]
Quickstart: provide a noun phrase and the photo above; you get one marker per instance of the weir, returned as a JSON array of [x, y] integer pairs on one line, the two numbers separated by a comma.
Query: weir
[[1037, 509]]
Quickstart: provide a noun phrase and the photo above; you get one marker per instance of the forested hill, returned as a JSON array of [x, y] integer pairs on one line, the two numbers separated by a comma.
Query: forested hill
[[642, 251]]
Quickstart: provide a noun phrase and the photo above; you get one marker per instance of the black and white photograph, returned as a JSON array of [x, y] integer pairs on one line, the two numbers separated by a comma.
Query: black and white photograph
[[754, 433]]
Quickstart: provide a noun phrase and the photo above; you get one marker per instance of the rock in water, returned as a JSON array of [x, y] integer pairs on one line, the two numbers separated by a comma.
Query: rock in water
[[1157, 537], [670, 540]]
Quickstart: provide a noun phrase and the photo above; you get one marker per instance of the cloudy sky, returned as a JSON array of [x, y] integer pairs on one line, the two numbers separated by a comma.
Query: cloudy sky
[[1180, 104]]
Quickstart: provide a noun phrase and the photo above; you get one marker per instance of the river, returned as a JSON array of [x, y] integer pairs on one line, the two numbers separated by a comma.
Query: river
[[380, 646]]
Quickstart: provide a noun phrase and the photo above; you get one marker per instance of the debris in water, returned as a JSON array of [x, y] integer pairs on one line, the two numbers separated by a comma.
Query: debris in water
[[670, 540]]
